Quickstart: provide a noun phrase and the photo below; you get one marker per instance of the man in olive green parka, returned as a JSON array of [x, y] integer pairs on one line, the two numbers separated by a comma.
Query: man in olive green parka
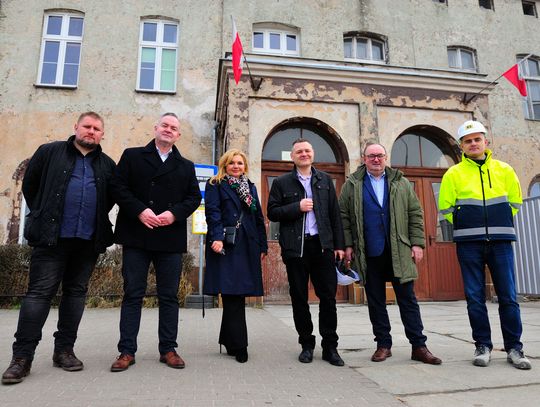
[[384, 238]]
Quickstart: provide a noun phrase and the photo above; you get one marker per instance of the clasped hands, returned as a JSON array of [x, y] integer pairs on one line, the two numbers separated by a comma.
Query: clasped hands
[[151, 220]]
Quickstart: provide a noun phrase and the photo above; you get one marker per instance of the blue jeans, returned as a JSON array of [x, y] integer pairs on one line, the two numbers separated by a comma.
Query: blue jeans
[[135, 264], [71, 263], [499, 257]]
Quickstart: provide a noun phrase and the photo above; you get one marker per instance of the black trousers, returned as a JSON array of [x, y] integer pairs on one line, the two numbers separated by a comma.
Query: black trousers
[[318, 265], [379, 271], [135, 264], [233, 333], [71, 262]]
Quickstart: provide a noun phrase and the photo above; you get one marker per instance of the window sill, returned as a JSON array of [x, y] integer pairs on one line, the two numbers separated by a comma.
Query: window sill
[[52, 86], [275, 52], [366, 61], [465, 70], [160, 92]]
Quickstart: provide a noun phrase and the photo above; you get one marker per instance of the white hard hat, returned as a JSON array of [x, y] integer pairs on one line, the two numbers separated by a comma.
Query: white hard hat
[[345, 275], [470, 127]]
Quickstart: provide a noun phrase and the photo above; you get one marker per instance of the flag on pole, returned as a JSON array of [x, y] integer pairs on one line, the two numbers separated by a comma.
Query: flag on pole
[[513, 76], [237, 51]]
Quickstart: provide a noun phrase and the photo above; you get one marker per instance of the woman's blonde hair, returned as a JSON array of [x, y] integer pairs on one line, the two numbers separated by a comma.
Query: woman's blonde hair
[[225, 160]]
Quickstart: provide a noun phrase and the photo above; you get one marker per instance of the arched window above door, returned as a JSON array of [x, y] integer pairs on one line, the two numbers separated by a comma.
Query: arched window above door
[[423, 148], [279, 144]]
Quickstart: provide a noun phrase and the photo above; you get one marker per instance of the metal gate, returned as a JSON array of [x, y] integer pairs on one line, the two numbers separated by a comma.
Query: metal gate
[[527, 247]]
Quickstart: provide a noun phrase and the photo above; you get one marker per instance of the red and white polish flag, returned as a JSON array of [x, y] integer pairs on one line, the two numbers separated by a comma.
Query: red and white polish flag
[[237, 51], [513, 77]]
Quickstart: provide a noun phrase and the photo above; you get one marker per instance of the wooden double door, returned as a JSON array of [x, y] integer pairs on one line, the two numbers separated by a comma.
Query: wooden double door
[[439, 273]]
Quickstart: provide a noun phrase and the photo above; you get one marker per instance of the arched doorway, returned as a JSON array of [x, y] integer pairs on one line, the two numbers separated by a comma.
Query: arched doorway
[[330, 156], [424, 153]]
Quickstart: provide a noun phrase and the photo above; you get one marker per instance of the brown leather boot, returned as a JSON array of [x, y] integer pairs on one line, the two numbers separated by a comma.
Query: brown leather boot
[[67, 360], [17, 370]]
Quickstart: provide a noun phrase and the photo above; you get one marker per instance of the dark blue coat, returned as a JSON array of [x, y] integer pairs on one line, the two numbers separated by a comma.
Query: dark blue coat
[[238, 272]]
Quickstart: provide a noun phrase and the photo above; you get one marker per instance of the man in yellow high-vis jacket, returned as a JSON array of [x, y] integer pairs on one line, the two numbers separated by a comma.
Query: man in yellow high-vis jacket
[[480, 196]]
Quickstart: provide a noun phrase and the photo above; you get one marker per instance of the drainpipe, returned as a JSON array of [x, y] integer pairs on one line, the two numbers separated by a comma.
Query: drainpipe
[[214, 141]]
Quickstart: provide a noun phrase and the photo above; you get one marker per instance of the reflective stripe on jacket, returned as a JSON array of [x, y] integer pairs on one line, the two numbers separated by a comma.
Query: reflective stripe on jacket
[[481, 200]]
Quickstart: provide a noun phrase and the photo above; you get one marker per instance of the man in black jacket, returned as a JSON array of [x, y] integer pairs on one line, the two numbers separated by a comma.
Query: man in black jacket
[[304, 202], [157, 190], [66, 187]]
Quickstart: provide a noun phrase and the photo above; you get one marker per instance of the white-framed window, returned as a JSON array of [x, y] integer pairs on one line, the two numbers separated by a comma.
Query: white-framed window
[[158, 55], [529, 8], [487, 4], [462, 58], [364, 48], [534, 187], [275, 39], [61, 44], [530, 71]]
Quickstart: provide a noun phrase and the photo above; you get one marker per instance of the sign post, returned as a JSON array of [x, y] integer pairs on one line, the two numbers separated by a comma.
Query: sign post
[[203, 173]]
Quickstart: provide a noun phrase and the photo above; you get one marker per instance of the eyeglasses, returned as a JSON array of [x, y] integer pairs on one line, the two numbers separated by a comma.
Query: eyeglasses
[[373, 156]]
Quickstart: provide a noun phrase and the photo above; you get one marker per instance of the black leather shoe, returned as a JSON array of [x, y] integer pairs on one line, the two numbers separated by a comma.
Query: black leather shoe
[[332, 356], [17, 370], [67, 360], [306, 356]]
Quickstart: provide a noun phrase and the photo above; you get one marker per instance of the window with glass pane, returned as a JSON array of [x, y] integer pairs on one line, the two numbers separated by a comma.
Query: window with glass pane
[[158, 56], [534, 189], [529, 8], [363, 48], [275, 41], [291, 42], [279, 146], [467, 61], [417, 150], [460, 58], [487, 4], [453, 58], [377, 50], [347, 46], [61, 50], [269, 38], [530, 71], [258, 40]]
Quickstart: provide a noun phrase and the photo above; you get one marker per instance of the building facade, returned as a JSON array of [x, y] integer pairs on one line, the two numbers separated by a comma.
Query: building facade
[[338, 72]]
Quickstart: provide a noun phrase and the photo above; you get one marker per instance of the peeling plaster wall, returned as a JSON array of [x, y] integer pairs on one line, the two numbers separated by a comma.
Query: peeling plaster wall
[[393, 121], [31, 115], [357, 113]]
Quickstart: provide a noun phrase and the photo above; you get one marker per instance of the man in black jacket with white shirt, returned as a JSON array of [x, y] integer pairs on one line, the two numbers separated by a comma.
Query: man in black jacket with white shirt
[[304, 202], [156, 190]]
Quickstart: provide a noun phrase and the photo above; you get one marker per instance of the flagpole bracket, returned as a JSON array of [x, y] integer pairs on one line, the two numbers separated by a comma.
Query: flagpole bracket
[[256, 83], [466, 100]]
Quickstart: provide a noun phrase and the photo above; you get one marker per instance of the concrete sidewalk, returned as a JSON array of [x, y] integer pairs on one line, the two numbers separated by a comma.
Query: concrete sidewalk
[[273, 376]]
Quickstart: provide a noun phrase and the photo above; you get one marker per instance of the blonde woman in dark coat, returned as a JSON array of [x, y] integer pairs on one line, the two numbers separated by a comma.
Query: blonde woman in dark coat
[[234, 271]]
